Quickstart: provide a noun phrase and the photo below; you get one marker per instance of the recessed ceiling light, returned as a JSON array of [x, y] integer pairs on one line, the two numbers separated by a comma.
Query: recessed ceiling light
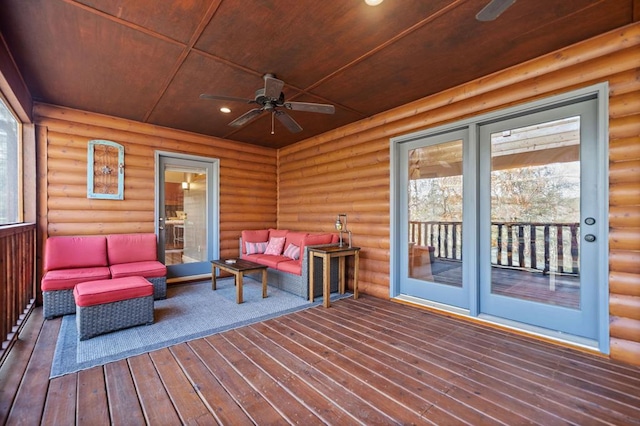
[[373, 2], [225, 110]]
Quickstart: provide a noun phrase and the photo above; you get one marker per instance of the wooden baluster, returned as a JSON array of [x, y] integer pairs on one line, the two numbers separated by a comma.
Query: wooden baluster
[[560, 248], [431, 227], [521, 246], [4, 324], [454, 243], [574, 248], [499, 242], [510, 245], [546, 250], [446, 240], [533, 254]]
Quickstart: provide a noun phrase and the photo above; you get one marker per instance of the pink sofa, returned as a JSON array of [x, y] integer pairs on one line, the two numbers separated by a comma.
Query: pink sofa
[[72, 260], [289, 266]]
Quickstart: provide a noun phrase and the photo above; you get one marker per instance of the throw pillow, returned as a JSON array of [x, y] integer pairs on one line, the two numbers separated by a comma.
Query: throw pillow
[[292, 251], [275, 246], [256, 248]]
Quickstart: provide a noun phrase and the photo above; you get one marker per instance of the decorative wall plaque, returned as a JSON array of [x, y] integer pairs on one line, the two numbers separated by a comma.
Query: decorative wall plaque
[[105, 170]]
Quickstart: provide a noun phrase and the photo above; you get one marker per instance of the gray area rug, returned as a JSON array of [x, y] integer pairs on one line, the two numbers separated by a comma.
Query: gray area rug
[[190, 311]]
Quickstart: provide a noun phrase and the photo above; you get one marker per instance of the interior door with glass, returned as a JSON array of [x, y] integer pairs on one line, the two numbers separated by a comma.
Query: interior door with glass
[[432, 219], [539, 218], [186, 215]]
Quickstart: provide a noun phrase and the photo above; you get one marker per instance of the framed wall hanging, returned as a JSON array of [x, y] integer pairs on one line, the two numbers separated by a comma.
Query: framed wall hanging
[[105, 170]]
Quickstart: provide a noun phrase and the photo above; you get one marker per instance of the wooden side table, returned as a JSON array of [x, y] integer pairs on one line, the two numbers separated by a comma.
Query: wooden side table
[[326, 253], [238, 267]]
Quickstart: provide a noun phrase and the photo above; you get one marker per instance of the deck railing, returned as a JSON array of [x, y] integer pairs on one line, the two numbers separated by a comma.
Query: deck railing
[[17, 279], [545, 247]]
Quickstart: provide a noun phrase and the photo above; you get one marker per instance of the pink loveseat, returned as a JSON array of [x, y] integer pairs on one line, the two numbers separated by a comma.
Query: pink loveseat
[[72, 260], [289, 267]]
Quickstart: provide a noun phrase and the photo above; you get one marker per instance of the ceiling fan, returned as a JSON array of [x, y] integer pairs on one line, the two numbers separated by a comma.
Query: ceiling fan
[[494, 9], [271, 99]]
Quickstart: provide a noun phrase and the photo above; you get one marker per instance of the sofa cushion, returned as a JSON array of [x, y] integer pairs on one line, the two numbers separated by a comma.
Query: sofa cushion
[[66, 279], [275, 246], [109, 291], [292, 251], [254, 236], [255, 248], [290, 266], [75, 252], [253, 257], [127, 248], [147, 269], [278, 232], [270, 260], [318, 239], [296, 238]]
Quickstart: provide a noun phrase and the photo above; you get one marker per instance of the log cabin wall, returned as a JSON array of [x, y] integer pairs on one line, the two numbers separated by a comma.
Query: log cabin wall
[[347, 170], [247, 177]]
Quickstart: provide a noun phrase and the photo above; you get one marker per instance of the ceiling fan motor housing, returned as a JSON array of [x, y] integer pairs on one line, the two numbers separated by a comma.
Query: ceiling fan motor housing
[[263, 100]]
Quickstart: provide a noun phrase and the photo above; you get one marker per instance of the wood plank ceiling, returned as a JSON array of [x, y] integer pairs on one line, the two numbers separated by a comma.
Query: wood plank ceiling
[[149, 61]]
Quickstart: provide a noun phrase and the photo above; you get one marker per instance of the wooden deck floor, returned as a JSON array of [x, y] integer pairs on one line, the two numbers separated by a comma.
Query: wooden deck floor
[[365, 361]]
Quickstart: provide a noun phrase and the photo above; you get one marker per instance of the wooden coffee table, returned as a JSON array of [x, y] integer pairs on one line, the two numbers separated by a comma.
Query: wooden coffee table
[[238, 267]]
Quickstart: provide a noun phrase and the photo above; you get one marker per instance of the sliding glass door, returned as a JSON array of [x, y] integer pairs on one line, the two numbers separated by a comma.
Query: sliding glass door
[[504, 217]]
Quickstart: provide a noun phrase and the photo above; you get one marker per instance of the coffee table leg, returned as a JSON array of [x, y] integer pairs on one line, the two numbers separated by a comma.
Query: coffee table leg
[[239, 287], [213, 277], [264, 283]]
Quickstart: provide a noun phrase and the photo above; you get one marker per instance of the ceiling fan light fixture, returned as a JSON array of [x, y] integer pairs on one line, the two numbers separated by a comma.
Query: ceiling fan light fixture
[[373, 2], [225, 110]]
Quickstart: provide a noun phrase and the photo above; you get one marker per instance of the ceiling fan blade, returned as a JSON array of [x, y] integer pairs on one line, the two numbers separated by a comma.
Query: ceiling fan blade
[[246, 117], [226, 98], [310, 107], [494, 9], [272, 87], [288, 121]]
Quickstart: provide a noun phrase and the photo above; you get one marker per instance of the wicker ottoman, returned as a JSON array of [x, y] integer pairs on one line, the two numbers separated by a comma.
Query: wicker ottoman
[[109, 305]]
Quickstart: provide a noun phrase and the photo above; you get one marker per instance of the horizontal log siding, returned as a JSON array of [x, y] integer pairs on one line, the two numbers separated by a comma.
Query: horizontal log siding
[[347, 170], [247, 176]]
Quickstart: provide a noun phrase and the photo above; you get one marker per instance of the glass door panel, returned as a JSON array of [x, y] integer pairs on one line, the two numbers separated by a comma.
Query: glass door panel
[[185, 207], [187, 214], [535, 212], [432, 233], [435, 213], [540, 269]]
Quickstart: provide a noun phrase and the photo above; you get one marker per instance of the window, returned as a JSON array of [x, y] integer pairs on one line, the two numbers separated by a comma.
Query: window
[[10, 172]]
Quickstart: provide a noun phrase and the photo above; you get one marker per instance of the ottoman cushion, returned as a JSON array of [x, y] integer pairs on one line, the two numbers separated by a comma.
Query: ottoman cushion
[[108, 291]]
